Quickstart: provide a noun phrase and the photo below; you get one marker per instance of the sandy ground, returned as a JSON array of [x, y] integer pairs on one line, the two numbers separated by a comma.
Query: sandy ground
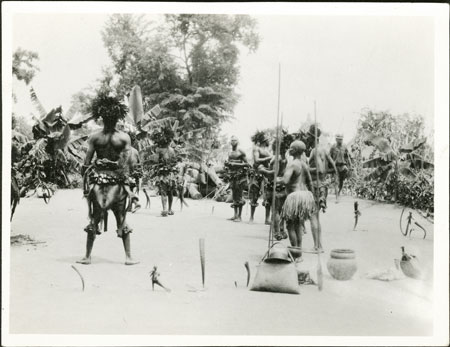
[[46, 295]]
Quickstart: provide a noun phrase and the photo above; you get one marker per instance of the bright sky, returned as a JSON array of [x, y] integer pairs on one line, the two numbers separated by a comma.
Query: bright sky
[[343, 63]]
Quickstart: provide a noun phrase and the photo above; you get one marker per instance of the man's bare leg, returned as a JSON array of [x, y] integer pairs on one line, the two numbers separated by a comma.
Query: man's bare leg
[[299, 228], [164, 204], [92, 229], [316, 231], [239, 217], [341, 185], [252, 213], [235, 214], [292, 233], [267, 222], [170, 199], [337, 190], [126, 245], [89, 245]]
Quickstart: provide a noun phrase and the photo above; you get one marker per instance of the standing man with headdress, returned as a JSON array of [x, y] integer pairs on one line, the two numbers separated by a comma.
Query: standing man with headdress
[[341, 156], [165, 170], [106, 180], [236, 174], [261, 157], [319, 170], [280, 189]]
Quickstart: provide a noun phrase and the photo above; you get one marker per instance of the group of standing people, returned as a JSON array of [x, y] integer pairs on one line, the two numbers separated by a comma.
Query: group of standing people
[[301, 187], [112, 170]]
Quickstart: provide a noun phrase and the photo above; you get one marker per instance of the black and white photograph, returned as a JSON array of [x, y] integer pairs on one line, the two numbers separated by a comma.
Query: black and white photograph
[[225, 174]]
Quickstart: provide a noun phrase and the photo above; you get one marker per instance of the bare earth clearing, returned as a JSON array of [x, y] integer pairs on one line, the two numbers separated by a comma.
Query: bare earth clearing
[[46, 295]]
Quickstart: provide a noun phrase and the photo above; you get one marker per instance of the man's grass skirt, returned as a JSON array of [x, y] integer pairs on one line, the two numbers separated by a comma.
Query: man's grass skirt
[[299, 206]]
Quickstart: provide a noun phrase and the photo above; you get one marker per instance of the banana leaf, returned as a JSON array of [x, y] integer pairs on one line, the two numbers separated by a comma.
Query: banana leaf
[[135, 105], [37, 104], [412, 146]]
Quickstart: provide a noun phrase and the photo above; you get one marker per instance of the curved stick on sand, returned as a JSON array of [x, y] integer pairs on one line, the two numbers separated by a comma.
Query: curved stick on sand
[[247, 267], [79, 274]]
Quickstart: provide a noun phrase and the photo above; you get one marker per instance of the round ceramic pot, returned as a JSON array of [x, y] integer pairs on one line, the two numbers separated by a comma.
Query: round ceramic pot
[[342, 264]]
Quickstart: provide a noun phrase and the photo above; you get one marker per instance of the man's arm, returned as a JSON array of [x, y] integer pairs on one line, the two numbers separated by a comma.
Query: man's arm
[[89, 154], [265, 171], [308, 179], [288, 174], [243, 156], [331, 161], [349, 157], [126, 152], [312, 160], [333, 152]]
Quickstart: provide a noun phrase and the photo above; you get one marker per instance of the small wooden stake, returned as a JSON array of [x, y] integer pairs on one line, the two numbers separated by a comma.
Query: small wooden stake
[[202, 259]]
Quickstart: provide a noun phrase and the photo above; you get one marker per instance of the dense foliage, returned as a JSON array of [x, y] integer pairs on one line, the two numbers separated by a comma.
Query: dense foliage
[[389, 155]]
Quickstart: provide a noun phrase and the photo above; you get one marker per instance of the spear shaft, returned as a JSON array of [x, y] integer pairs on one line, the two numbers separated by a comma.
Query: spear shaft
[[319, 263], [277, 150]]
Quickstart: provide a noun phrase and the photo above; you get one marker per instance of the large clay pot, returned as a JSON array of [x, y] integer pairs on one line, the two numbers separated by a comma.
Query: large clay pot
[[342, 264]]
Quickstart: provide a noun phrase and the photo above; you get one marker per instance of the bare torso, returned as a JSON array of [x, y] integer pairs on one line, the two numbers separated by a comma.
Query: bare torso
[[114, 146], [320, 162], [236, 156], [261, 156], [297, 176]]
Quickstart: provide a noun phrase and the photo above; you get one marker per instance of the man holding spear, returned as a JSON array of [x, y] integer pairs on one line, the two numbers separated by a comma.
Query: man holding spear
[[280, 191]]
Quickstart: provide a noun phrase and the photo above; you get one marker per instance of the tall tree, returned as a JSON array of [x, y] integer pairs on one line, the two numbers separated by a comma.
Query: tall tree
[[23, 65], [188, 64]]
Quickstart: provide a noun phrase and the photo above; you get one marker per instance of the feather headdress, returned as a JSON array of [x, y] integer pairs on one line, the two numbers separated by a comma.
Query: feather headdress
[[259, 136], [108, 108], [162, 136], [286, 140]]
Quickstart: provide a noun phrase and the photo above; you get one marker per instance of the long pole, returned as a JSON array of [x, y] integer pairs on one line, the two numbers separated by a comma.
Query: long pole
[[319, 263], [277, 150], [316, 156]]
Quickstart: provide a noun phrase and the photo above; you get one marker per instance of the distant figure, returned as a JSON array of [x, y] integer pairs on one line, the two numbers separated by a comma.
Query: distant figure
[[166, 178], [300, 204], [261, 156], [341, 156], [237, 167]]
